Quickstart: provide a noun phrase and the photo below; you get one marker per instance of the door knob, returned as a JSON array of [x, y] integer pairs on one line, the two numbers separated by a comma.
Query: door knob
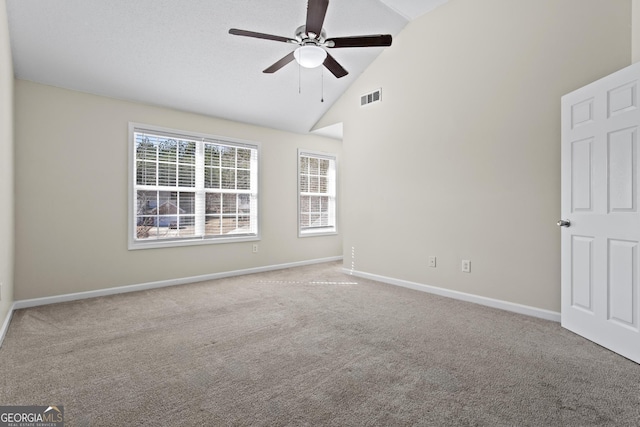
[[564, 223]]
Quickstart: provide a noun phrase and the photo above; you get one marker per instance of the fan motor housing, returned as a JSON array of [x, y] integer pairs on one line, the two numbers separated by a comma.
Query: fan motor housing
[[305, 39]]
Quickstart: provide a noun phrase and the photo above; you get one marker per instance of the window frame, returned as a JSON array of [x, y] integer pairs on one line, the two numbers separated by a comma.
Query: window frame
[[132, 216], [332, 194]]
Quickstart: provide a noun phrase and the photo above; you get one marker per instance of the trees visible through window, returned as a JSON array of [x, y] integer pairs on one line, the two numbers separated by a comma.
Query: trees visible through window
[[316, 193], [190, 189]]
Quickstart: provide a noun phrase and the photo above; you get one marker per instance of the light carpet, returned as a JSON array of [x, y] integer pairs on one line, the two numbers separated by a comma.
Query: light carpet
[[308, 346]]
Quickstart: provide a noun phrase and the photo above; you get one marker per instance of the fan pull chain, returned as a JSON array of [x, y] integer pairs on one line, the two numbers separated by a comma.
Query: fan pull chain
[[299, 78], [322, 83]]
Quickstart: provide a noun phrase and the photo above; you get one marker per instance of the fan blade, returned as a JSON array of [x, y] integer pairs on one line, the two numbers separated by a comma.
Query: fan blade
[[316, 10], [361, 41], [281, 63], [333, 66], [253, 34]]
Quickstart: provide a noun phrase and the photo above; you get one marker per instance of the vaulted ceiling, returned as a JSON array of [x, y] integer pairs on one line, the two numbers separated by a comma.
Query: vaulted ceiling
[[179, 54]]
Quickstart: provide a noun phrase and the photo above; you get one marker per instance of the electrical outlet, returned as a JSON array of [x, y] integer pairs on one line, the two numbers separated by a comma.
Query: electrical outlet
[[255, 248], [432, 261], [466, 266]]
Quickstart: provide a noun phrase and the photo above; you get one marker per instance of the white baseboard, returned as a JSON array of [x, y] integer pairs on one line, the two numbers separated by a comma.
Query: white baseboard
[[490, 302], [34, 302], [5, 324]]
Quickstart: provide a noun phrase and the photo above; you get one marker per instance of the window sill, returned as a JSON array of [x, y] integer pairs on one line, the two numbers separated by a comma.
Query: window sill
[[137, 245], [330, 232]]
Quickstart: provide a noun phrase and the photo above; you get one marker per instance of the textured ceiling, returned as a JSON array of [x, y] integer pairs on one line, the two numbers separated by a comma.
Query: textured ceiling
[[178, 54]]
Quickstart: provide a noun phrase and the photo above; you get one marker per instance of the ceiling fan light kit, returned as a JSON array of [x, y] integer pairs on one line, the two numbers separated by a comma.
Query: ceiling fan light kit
[[312, 42], [310, 56]]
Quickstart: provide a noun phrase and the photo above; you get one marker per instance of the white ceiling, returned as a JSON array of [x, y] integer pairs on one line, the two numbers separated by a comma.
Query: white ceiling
[[178, 54]]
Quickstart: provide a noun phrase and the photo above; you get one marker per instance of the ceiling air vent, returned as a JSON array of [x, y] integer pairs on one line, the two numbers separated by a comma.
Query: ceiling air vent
[[369, 98]]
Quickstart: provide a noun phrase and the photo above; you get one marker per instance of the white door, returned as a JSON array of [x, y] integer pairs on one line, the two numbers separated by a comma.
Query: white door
[[601, 233]]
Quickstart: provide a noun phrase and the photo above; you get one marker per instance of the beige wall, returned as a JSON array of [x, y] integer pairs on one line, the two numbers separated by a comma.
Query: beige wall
[[469, 129], [461, 159], [635, 44], [71, 196], [6, 167]]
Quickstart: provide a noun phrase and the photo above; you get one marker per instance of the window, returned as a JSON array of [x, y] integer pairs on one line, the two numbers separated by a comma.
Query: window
[[316, 193], [191, 189]]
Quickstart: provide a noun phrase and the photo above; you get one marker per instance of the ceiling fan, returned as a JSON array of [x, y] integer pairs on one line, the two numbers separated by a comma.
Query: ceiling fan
[[312, 39]]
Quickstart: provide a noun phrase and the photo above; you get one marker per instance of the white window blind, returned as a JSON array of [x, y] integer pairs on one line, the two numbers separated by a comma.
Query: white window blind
[[316, 193], [191, 189]]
